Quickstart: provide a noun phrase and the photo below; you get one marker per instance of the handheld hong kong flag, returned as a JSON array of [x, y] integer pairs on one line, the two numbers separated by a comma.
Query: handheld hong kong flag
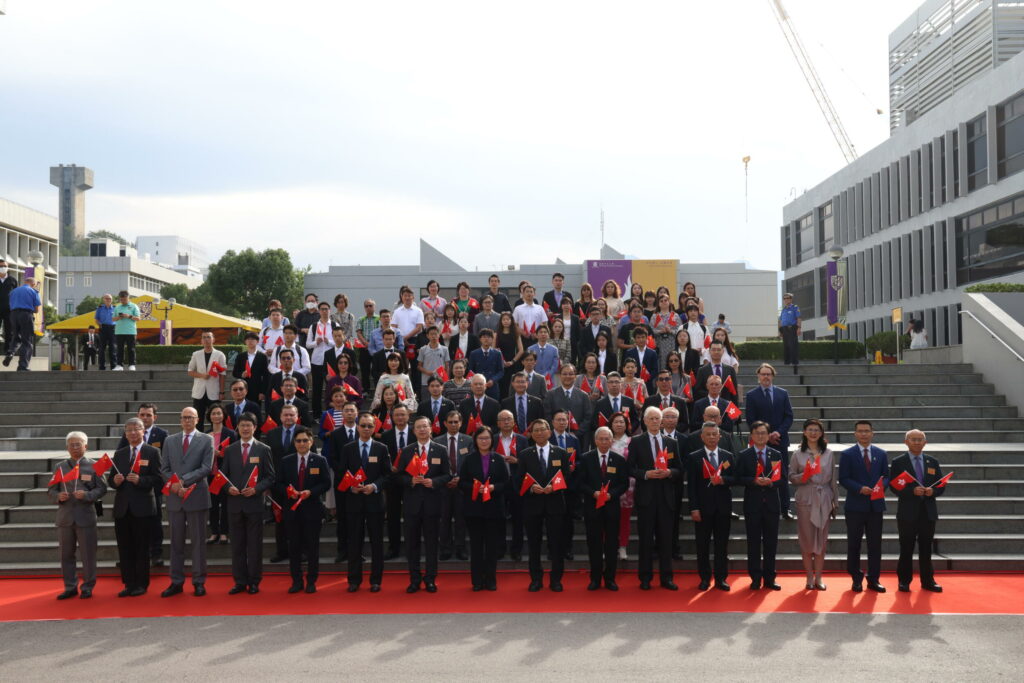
[[188, 492], [473, 303], [248, 370], [622, 314], [583, 317], [644, 374], [629, 391], [400, 390], [661, 460], [558, 481], [215, 369], [729, 386], [266, 338], [533, 328], [482, 491], [598, 385], [602, 421], [327, 422], [359, 344], [650, 342], [528, 481], [693, 379], [878, 490], [688, 391], [274, 395], [657, 321], [229, 422], [547, 308], [585, 386], [707, 341], [459, 355], [253, 477], [901, 481], [101, 466], [170, 482], [218, 482], [501, 447], [276, 507], [441, 374], [435, 426], [941, 483], [279, 342], [573, 424], [776, 471], [550, 382], [388, 423], [223, 444], [447, 327], [377, 425], [360, 476], [472, 423], [331, 372], [268, 424], [57, 477], [410, 351], [813, 467], [602, 496], [733, 411]]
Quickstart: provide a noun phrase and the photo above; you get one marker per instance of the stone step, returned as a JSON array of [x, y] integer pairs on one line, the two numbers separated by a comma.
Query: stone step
[[864, 379], [874, 413], [864, 390], [877, 401], [133, 396]]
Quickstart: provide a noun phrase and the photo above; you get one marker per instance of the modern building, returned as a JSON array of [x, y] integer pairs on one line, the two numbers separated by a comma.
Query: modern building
[[748, 297], [72, 182], [23, 231], [936, 207], [110, 268], [177, 253]]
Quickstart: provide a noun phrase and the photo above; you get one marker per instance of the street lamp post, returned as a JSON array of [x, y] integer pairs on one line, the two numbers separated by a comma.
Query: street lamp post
[[836, 253], [165, 324]]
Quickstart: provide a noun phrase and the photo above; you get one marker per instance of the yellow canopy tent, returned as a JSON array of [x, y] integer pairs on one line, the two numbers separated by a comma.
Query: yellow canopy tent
[[187, 323]]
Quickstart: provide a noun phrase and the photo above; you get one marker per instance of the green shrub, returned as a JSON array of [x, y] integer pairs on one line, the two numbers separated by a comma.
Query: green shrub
[[809, 350], [178, 354], [886, 343], [995, 287]]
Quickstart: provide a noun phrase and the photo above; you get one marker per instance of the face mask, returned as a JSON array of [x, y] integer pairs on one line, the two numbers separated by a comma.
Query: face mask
[[3, 271], [311, 305]]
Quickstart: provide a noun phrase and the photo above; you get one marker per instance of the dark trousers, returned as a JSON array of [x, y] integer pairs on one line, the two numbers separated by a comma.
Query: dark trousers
[[126, 350], [453, 525], [281, 530], [716, 525], [921, 532], [107, 346], [24, 344], [247, 547], [655, 520], [762, 544], [361, 522], [679, 490], [8, 327], [317, 378], [536, 527], [303, 538], [515, 511], [857, 525], [421, 527], [156, 527], [88, 354], [784, 482], [364, 368], [603, 541], [790, 345], [340, 523], [201, 404], [219, 513], [573, 508], [132, 534], [393, 497], [486, 536]]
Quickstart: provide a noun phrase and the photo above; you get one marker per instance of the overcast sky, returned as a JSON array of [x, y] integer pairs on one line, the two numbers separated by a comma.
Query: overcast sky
[[344, 131]]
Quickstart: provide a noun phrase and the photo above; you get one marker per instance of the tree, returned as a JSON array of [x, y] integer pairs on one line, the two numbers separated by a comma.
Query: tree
[[247, 280], [179, 292], [88, 305]]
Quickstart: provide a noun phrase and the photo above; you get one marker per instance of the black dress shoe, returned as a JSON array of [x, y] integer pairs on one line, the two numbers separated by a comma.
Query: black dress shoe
[[933, 587], [669, 585], [375, 588], [857, 587], [645, 585], [569, 556], [677, 556], [704, 585], [734, 515], [254, 589], [772, 586], [875, 586], [391, 554], [904, 588], [789, 514], [173, 589], [611, 585], [125, 593], [721, 585], [516, 557], [556, 587], [70, 593], [413, 587], [461, 555], [236, 589], [430, 586], [535, 586], [156, 562], [280, 558], [136, 592], [755, 584], [311, 588], [338, 559], [352, 587], [444, 557], [199, 591], [87, 593], [477, 588], [594, 585]]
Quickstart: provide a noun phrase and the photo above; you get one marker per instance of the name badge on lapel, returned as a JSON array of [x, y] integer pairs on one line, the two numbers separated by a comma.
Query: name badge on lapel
[[435, 461], [372, 458], [314, 470], [556, 463], [86, 477], [931, 470], [611, 469], [463, 451], [143, 463], [255, 460], [725, 465], [157, 444]]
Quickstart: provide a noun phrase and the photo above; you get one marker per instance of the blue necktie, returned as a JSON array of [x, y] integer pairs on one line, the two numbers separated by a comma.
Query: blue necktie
[[287, 438], [561, 441], [768, 395], [366, 455], [435, 408], [920, 469], [522, 412], [615, 404]]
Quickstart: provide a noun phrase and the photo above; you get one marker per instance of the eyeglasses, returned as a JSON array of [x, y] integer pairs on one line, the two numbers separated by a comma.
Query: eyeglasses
[[189, 417], [303, 440]]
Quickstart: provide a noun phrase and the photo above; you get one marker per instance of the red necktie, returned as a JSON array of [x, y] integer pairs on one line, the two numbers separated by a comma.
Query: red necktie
[[302, 472], [453, 457], [604, 464], [867, 461], [184, 445], [245, 454]]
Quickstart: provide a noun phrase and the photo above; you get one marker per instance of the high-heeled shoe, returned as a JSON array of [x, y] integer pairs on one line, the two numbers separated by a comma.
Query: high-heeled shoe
[[810, 583], [819, 586], [211, 540]]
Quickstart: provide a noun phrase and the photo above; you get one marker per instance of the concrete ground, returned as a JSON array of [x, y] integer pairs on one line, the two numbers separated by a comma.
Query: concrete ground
[[482, 647]]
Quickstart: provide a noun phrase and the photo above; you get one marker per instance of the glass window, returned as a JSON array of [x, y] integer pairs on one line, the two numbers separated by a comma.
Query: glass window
[[805, 239], [989, 244], [69, 280], [87, 280], [826, 228], [1010, 136], [802, 288], [977, 154]]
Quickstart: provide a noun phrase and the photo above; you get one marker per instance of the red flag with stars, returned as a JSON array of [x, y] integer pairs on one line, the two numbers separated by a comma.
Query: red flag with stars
[[218, 482], [268, 424], [602, 496], [528, 481], [729, 386], [102, 465]]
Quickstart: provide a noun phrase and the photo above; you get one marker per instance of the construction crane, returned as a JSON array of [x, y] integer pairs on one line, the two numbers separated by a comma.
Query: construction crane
[[813, 81]]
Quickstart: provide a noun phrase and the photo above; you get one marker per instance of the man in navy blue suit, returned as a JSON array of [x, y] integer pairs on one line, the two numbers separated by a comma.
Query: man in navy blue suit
[[645, 358], [488, 361], [769, 403], [861, 468]]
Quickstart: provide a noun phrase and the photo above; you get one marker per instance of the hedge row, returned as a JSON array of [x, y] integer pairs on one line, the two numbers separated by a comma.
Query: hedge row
[[809, 350], [179, 354], [995, 287]]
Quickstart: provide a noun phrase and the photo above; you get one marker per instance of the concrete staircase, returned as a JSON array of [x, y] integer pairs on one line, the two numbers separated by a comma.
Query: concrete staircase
[[970, 429]]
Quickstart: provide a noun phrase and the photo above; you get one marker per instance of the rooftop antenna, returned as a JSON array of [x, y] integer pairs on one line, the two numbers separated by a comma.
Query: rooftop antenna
[[746, 202], [602, 227]]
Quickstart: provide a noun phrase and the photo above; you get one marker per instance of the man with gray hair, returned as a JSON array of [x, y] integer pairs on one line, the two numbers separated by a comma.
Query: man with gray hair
[[478, 408], [916, 479], [602, 477], [24, 302], [75, 488], [711, 476]]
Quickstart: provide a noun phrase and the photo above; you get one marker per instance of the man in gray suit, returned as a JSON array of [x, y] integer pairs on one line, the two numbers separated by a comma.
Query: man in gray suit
[[242, 460], [453, 525], [186, 461], [573, 401], [75, 496]]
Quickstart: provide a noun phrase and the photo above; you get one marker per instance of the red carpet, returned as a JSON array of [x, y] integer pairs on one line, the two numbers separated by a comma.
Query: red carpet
[[30, 599]]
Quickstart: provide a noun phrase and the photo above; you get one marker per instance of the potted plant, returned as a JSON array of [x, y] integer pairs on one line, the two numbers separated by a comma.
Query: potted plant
[[886, 343]]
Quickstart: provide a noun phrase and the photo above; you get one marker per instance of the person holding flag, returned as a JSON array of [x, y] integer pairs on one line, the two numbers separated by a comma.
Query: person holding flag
[[712, 473], [530, 316], [248, 466], [456, 447], [74, 488], [253, 367], [207, 368], [916, 479], [301, 481], [134, 474], [542, 477], [483, 479], [602, 476], [368, 461], [508, 443], [759, 472], [864, 473], [222, 436], [655, 466], [812, 471]]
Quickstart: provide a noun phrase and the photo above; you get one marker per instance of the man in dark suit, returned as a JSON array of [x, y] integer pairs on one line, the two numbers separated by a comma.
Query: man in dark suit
[[339, 349], [655, 465], [289, 398], [281, 441], [287, 360], [552, 299], [669, 429], [861, 469], [424, 489], [240, 405], [754, 467], [575, 402], [711, 474], [242, 460], [562, 437], [524, 407], [718, 369], [436, 406], [536, 383], [395, 439], [769, 403], [364, 508], [616, 402], [646, 359], [508, 444], [136, 473], [479, 406], [453, 525], [252, 366], [90, 344], [346, 432], [379, 359], [154, 436], [308, 476], [488, 361], [916, 511], [589, 332], [602, 476], [715, 399], [544, 507], [664, 398]]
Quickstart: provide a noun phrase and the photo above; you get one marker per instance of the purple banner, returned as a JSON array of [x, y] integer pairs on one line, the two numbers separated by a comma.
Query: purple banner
[[835, 278], [599, 272]]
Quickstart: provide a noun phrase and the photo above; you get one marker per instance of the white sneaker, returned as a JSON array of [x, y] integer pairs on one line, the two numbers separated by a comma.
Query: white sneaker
[[118, 368], [622, 554], [132, 368]]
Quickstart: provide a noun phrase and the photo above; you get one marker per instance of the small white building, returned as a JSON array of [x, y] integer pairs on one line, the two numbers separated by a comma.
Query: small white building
[[185, 256], [24, 230]]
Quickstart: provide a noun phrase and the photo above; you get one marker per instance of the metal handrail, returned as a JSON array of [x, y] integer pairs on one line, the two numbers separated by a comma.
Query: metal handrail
[[994, 335]]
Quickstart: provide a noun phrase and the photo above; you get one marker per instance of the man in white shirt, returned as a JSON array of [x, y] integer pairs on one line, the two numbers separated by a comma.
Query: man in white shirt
[[529, 315], [408, 317], [207, 368], [299, 354], [272, 335], [319, 339]]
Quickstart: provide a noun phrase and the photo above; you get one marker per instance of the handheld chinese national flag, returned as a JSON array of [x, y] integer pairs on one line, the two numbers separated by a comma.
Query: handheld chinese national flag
[[602, 421], [585, 386], [688, 391], [878, 490], [410, 351], [528, 481], [776, 471], [218, 482], [137, 463], [331, 372], [650, 342], [248, 366], [350, 391], [223, 444], [414, 467], [482, 491], [274, 396], [101, 466], [170, 482], [629, 391], [812, 468], [533, 329], [347, 482], [732, 411], [71, 474], [602, 496], [279, 342], [472, 423], [327, 422], [276, 507], [558, 481], [473, 303], [644, 374], [901, 481], [661, 460], [760, 470], [291, 492], [941, 483], [707, 341], [693, 379], [57, 477], [377, 425], [708, 471], [229, 422], [729, 386], [253, 477], [547, 308], [188, 492], [215, 369], [441, 374], [268, 424]]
